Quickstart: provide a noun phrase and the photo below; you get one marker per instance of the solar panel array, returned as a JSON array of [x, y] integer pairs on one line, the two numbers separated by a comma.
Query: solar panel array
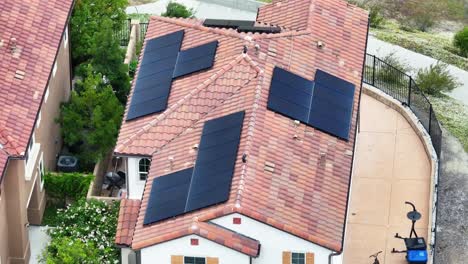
[[325, 103], [162, 62], [209, 182], [168, 196], [332, 105], [212, 175], [195, 59], [154, 80], [241, 25]]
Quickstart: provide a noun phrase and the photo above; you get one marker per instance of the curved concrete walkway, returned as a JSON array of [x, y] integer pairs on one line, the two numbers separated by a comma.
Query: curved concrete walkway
[[391, 167]]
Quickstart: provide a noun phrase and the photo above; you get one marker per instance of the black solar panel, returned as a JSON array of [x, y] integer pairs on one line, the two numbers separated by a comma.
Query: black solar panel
[[325, 103], [241, 26], [195, 59], [222, 23], [168, 196], [332, 105], [214, 168], [290, 95], [154, 80]]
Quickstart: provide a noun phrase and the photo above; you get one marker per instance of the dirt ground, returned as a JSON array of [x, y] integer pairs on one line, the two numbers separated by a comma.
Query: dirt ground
[[452, 214]]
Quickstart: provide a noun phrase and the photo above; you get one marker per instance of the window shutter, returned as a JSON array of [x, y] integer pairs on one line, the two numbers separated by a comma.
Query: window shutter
[[212, 261], [177, 259], [286, 257], [310, 258]]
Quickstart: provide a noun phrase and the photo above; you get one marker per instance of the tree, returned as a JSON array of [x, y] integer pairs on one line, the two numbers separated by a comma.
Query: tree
[[90, 120], [87, 19], [177, 10], [107, 58], [70, 251]]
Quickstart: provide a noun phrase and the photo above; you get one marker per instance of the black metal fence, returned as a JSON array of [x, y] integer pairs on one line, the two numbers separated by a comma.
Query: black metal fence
[[123, 34], [143, 29], [402, 87]]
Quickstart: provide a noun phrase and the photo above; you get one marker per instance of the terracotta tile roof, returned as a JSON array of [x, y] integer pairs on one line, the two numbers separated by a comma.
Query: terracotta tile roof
[[292, 14], [128, 214], [304, 189], [34, 35]]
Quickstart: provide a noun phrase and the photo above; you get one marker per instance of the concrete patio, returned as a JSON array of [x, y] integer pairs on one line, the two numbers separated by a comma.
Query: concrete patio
[[39, 240], [391, 167]]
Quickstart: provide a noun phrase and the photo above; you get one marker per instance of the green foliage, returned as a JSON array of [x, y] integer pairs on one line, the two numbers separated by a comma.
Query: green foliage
[[132, 68], [432, 45], [143, 18], [436, 79], [421, 14], [90, 121], [390, 74], [107, 58], [138, 48], [62, 186], [92, 222], [174, 9], [453, 115], [87, 20], [376, 18], [461, 41], [50, 214], [70, 251]]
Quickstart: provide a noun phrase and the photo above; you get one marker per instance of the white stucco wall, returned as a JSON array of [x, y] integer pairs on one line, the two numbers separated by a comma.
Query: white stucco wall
[[135, 185], [273, 241], [124, 255], [161, 253]]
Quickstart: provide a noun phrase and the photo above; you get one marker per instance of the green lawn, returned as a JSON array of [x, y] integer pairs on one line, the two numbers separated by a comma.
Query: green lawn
[[454, 117], [434, 45]]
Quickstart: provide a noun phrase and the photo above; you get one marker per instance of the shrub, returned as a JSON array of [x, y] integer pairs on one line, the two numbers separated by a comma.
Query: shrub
[[69, 251], [65, 186], [93, 223], [461, 41], [90, 121], [420, 14], [132, 67], [390, 73], [375, 16], [177, 10], [436, 79]]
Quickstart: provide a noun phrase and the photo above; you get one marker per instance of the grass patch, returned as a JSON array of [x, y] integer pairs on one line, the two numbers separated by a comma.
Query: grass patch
[[453, 115], [144, 17], [436, 46], [50, 215]]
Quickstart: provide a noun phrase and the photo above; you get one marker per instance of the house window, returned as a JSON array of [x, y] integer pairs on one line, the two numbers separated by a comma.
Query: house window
[[54, 70], [297, 258], [40, 171], [38, 122], [65, 37], [143, 168], [194, 260], [30, 148], [46, 94]]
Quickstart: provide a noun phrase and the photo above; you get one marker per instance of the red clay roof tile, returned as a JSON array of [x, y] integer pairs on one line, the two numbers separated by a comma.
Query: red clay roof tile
[[35, 35], [306, 193], [127, 219]]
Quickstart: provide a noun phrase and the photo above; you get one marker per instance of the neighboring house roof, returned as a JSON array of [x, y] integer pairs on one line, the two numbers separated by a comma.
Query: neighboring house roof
[[296, 178], [128, 214], [29, 41]]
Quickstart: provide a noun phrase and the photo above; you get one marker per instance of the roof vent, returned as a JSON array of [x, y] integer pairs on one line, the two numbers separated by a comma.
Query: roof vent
[[320, 45], [19, 75], [269, 166]]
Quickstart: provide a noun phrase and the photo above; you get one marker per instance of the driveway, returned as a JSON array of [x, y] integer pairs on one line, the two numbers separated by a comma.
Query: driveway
[[217, 9]]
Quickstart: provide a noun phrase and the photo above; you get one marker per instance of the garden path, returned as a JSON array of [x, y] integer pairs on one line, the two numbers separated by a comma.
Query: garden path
[[38, 240]]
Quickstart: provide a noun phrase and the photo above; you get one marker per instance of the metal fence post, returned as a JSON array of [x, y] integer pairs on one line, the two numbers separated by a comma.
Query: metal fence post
[[373, 71], [409, 90], [430, 119]]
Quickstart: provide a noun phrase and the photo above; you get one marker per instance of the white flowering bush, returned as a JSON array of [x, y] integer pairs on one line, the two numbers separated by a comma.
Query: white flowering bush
[[91, 222]]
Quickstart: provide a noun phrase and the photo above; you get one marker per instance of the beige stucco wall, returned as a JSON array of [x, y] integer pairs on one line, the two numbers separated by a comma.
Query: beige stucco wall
[[22, 201]]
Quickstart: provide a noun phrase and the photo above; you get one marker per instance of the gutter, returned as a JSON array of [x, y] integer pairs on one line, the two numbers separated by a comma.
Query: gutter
[[334, 254]]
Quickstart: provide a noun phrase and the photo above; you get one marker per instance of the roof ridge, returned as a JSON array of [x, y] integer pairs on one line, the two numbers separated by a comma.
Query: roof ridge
[[175, 106], [183, 22]]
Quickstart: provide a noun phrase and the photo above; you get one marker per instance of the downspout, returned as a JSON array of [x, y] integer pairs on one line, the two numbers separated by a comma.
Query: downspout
[[334, 254]]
